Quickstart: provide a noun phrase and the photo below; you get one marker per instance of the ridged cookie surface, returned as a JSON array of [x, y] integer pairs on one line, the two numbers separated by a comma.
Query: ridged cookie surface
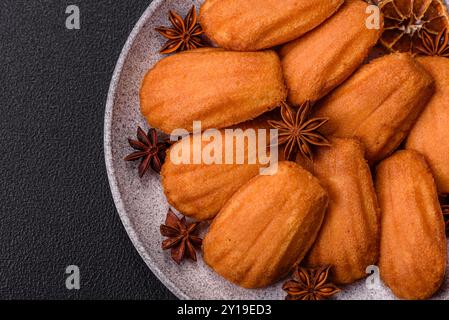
[[249, 25], [266, 227], [413, 242], [429, 135], [349, 237], [322, 59], [200, 190], [219, 88], [379, 104]]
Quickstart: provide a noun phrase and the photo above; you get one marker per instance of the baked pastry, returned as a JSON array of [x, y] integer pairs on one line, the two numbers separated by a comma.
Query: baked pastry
[[349, 237], [219, 88], [428, 135], [200, 190], [250, 25], [322, 59], [266, 227], [413, 242], [379, 104]]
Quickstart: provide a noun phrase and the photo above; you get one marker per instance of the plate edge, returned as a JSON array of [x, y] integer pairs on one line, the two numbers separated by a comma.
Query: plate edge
[[107, 140]]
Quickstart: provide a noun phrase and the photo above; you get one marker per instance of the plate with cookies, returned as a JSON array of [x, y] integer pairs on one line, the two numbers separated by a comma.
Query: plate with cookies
[[295, 149]]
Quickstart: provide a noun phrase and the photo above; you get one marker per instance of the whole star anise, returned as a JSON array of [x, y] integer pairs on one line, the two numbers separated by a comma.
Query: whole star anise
[[185, 34], [182, 238], [149, 150], [405, 22], [435, 45], [310, 284], [298, 131]]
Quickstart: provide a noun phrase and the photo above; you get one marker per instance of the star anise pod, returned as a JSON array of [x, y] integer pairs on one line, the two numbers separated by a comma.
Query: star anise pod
[[185, 34], [182, 238], [310, 284], [435, 45], [149, 149], [406, 21], [298, 131]]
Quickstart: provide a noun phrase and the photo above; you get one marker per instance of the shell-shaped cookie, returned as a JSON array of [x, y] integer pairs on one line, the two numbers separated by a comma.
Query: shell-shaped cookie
[[379, 104], [413, 243], [200, 190], [219, 88], [249, 25], [349, 237], [322, 59], [266, 227], [429, 135]]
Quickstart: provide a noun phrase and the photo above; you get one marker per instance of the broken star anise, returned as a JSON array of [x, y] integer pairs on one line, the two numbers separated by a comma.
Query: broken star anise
[[298, 131], [435, 45], [406, 21], [149, 149], [310, 284], [182, 238], [185, 34]]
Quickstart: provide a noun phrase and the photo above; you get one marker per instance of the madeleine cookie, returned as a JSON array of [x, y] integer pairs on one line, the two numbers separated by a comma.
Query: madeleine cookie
[[379, 104], [200, 190], [312, 67], [266, 227], [413, 242], [250, 25], [349, 237], [428, 135], [219, 88]]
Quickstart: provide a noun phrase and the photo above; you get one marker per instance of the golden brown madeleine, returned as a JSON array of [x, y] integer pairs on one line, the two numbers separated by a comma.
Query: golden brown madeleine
[[266, 227], [200, 190], [321, 60], [429, 135], [413, 243], [379, 104], [250, 25], [349, 237], [219, 88]]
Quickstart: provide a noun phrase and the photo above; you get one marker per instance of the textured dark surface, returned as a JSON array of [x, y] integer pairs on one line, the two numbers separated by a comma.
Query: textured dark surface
[[55, 205]]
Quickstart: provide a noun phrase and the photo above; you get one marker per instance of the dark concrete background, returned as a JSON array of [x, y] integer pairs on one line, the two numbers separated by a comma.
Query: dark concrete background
[[55, 205]]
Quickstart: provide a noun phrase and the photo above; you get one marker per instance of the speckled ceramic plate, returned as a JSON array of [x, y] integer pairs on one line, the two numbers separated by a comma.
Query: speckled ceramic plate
[[141, 203]]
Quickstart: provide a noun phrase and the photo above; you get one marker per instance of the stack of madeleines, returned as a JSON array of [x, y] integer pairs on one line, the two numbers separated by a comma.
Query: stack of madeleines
[[329, 211]]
